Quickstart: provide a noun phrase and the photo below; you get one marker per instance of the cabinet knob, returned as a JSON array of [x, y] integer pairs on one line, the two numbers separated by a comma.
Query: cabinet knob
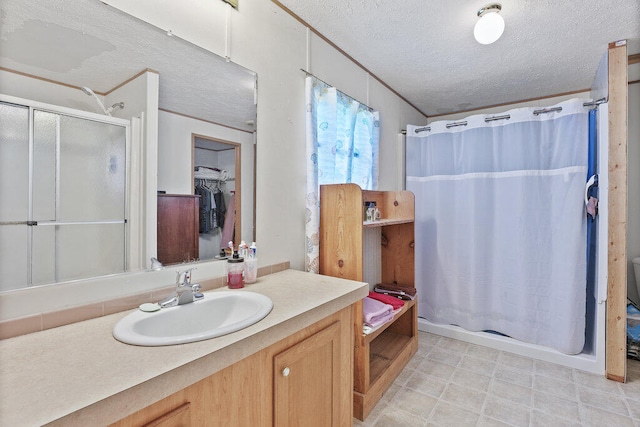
[[286, 371]]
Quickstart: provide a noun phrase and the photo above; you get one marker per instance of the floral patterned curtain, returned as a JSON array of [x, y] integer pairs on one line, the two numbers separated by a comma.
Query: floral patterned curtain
[[342, 147]]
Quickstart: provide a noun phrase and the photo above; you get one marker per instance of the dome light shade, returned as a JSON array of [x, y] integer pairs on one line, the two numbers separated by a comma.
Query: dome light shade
[[490, 26]]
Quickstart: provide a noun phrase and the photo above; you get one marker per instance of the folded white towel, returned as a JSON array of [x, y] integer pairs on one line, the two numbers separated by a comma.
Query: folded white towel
[[203, 173]]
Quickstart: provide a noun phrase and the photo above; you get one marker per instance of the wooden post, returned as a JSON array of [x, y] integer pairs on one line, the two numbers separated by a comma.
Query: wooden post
[[616, 339]]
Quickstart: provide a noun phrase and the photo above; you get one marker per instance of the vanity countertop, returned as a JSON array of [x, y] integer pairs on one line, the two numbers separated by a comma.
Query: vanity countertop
[[80, 375]]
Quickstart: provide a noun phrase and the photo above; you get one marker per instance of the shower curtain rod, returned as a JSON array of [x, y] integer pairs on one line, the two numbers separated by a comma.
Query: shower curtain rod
[[506, 116], [494, 118], [595, 103], [455, 124], [546, 110], [316, 77]]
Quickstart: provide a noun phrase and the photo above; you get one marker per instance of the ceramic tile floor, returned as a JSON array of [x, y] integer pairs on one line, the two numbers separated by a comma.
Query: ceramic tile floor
[[453, 383]]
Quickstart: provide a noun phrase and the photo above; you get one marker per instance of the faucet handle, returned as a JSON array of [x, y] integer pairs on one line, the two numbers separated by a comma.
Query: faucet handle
[[195, 290], [183, 278]]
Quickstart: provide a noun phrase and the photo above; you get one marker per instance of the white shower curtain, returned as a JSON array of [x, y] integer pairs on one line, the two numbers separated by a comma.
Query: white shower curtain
[[500, 224]]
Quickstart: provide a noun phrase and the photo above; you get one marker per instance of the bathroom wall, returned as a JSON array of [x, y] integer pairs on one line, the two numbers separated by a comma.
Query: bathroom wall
[[14, 84], [174, 158], [174, 141], [270, 42], [267, 40]]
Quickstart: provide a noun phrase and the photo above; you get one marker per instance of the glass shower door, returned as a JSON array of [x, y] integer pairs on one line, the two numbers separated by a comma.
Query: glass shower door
[[79, 198], [14, 195], [62, 197]]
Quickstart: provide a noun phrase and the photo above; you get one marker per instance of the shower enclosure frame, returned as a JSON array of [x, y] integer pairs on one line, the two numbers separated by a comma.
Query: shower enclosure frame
[[34, 106]]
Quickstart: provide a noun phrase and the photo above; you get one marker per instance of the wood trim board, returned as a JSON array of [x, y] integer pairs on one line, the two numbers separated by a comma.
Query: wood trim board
[[616, 341]]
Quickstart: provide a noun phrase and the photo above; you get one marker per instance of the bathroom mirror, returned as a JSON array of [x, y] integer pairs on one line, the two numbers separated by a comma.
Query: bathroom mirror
[[64, 46]]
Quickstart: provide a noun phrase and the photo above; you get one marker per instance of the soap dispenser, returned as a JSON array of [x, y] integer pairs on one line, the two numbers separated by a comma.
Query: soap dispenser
[[235, 268]]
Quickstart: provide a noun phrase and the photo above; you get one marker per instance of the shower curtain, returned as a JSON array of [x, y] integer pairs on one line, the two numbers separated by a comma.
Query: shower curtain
[[500, 223]]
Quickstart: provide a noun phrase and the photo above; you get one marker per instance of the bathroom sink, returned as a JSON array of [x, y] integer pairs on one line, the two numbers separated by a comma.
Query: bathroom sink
[[218, 313]]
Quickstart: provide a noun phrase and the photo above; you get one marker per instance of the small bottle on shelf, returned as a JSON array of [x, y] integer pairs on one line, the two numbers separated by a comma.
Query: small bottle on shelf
[[371, 212]]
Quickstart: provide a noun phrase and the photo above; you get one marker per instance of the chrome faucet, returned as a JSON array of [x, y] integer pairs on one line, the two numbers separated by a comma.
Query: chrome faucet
[[185, 292]]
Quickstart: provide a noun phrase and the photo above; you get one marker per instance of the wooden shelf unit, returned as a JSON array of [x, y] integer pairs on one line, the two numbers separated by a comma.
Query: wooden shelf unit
[[379, 356]]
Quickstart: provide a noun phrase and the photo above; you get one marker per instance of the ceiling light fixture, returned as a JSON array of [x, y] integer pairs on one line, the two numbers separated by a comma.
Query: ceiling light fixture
[[490, 26]]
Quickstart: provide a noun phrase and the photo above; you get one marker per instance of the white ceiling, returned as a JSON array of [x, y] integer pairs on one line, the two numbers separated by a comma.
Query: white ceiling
[[87, 43], [425, 50]]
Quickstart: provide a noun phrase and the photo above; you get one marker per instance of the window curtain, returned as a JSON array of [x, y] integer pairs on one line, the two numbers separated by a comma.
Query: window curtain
[[342, 138], [501, 224]]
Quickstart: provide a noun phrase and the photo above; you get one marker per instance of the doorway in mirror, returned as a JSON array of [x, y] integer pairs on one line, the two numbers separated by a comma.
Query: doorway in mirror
[[216, 178]]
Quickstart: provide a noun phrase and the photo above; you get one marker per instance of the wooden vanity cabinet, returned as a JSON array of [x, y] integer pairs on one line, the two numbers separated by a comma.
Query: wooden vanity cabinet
[[178, 226], [304, 379], [381, 355]]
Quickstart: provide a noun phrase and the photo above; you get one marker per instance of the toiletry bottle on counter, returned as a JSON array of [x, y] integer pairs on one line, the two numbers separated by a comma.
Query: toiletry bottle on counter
[[251, 264], [242, 249], [235, 269]]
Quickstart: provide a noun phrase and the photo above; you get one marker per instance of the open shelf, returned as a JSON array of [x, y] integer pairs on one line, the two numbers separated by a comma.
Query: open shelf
[[380, 355], [384, 350], [386, 221], [367, 338]]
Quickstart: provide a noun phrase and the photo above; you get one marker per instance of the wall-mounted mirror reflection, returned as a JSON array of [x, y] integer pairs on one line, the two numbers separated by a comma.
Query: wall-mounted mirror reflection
[[73, 75]]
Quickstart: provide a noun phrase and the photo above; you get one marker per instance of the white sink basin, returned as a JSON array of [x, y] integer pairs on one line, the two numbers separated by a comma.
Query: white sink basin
[[218, 313]]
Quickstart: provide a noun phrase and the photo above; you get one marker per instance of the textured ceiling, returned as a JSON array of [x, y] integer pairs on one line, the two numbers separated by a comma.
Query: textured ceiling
[[87, 43], [426, 52]]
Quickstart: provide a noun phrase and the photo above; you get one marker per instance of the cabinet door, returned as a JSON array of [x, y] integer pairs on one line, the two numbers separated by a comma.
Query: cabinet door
[[159, 416], [179, 417], [307, 380]]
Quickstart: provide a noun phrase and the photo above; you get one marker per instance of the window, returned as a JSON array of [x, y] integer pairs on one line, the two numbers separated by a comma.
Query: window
[[343, 136]]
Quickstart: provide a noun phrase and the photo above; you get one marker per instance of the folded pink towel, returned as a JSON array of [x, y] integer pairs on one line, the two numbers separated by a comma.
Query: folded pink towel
[[375, 313]]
